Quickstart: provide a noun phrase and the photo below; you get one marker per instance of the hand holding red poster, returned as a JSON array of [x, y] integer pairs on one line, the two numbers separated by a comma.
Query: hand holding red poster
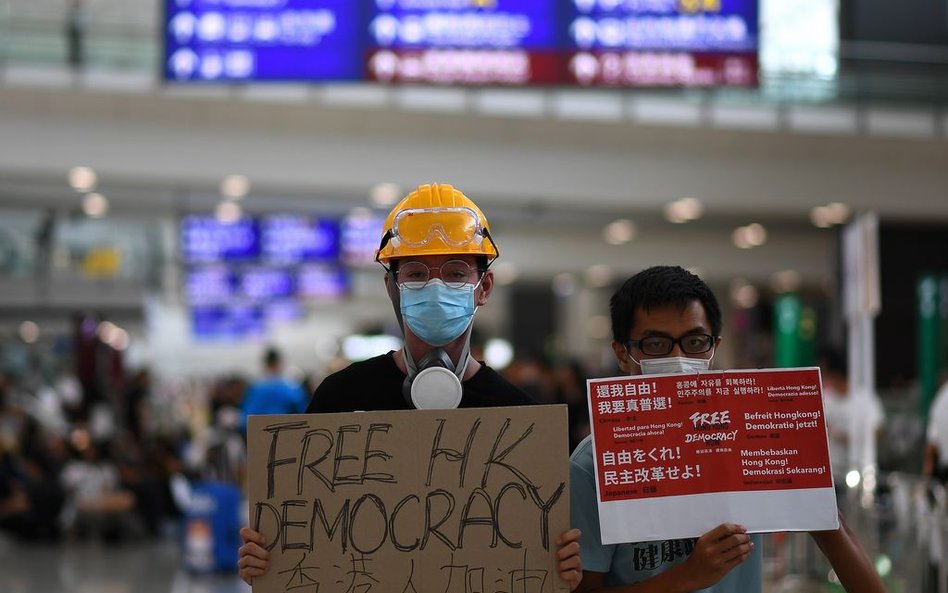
[[679, 454]]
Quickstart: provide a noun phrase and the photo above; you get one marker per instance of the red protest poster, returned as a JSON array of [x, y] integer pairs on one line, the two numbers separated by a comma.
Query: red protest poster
[[678, 454]]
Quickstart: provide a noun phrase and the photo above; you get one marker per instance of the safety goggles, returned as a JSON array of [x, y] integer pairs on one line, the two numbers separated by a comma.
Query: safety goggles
[[454, 227]]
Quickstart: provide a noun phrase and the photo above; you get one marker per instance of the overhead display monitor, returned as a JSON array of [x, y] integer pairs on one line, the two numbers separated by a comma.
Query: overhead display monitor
[[290, 239], [663, 42], [506, 42], [359, 239], [210, 285], [234, 40], [465, 42], [260, 284], [321, 282], [204, 239], [227, 323]]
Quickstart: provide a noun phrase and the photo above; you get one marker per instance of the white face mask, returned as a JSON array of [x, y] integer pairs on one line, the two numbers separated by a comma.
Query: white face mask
[[673, 364]]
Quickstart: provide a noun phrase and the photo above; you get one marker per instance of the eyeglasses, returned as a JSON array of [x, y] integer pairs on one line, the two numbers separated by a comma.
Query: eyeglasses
[[454, 273], [662, 345]]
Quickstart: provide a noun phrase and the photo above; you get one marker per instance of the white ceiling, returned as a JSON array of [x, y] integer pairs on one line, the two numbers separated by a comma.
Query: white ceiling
[[160, 151]]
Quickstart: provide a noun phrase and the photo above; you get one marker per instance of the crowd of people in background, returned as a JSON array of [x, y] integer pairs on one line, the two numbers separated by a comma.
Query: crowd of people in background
[[74, 469], [117, 467]]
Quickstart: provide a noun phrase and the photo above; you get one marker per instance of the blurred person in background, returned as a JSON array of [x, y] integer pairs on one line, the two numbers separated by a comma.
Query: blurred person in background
[[666, 319], [75, 33], [136, 398], [533, 376], [570, 380], [31, 457], [436, 249], [15, 507], [843, 414], [935, 459], [273, 393], [96, 505]]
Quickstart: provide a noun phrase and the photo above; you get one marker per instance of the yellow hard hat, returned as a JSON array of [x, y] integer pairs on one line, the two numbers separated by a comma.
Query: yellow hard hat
[[435, 219]]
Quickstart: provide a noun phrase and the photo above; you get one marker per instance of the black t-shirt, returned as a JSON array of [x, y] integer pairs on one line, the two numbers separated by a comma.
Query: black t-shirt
[[376, 384]]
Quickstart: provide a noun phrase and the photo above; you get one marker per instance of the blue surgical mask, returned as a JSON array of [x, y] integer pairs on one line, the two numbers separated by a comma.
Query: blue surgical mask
[[436, 313]]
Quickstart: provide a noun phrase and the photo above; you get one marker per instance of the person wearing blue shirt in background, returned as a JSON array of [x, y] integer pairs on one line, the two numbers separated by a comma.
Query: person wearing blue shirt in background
[[274, 393], [666, 320]]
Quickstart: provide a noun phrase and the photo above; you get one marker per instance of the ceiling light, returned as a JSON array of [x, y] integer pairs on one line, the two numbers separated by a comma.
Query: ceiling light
[[564, 284], [235, 187], [739, 237], [95, 205], [385, 194], [684, 210], [756, 234], [785, 281], [838, 212], [820, 217], [498, 353], [82, 179], [119, 339], [505, 273], [743, 294], [29, 332], [106, 331], [752, 235], [619, 232], [599, 275], [228, 212]]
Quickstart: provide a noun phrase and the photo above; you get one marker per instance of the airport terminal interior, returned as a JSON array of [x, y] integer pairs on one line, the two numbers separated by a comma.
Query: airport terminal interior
[[186, 184]]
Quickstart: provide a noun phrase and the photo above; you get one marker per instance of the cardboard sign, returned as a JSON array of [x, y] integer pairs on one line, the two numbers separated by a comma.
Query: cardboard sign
[[424, 501], [677, 455]]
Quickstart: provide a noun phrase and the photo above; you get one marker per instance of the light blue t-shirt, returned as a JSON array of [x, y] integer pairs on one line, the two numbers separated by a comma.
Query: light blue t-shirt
[[626, 564]]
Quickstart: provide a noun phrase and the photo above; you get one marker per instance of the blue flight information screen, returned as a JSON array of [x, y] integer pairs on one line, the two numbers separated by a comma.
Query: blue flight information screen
[[204, 239], [663, 42], [289, 239], [273, 40], [466, 42]]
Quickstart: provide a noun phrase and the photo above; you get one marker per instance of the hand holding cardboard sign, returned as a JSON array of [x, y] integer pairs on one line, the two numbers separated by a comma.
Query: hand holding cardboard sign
[[253, 558], [568, 564]]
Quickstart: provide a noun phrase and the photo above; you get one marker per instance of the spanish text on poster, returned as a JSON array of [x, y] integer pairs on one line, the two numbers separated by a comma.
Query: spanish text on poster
[[677, 455], [424, 501]]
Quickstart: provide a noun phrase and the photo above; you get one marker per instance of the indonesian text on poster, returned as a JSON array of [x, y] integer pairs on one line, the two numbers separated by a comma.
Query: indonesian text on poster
[[424, 501], [679, 454]]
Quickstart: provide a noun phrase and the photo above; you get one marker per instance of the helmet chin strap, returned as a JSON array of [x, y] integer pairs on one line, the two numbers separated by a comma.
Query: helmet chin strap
[[419, 395]]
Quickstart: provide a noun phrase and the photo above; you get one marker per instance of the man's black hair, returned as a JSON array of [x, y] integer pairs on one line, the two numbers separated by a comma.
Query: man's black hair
[[834, 360], [272, 357], [660, 286]]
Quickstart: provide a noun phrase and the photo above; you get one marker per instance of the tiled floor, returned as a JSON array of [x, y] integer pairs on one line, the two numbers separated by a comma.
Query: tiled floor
[[91, 568], [155, 567]]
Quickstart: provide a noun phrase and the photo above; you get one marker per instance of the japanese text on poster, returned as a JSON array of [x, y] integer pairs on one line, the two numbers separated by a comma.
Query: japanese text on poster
[[742, 440]]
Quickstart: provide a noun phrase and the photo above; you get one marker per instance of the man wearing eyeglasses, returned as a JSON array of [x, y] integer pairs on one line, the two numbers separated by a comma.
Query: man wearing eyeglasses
[[436, 249], [666, 320]]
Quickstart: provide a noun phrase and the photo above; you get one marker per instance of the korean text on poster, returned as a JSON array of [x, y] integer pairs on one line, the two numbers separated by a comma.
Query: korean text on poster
[[695, 450]]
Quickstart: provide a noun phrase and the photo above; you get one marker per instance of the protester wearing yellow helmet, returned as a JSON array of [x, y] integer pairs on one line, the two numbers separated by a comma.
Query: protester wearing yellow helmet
[[436, 249]]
